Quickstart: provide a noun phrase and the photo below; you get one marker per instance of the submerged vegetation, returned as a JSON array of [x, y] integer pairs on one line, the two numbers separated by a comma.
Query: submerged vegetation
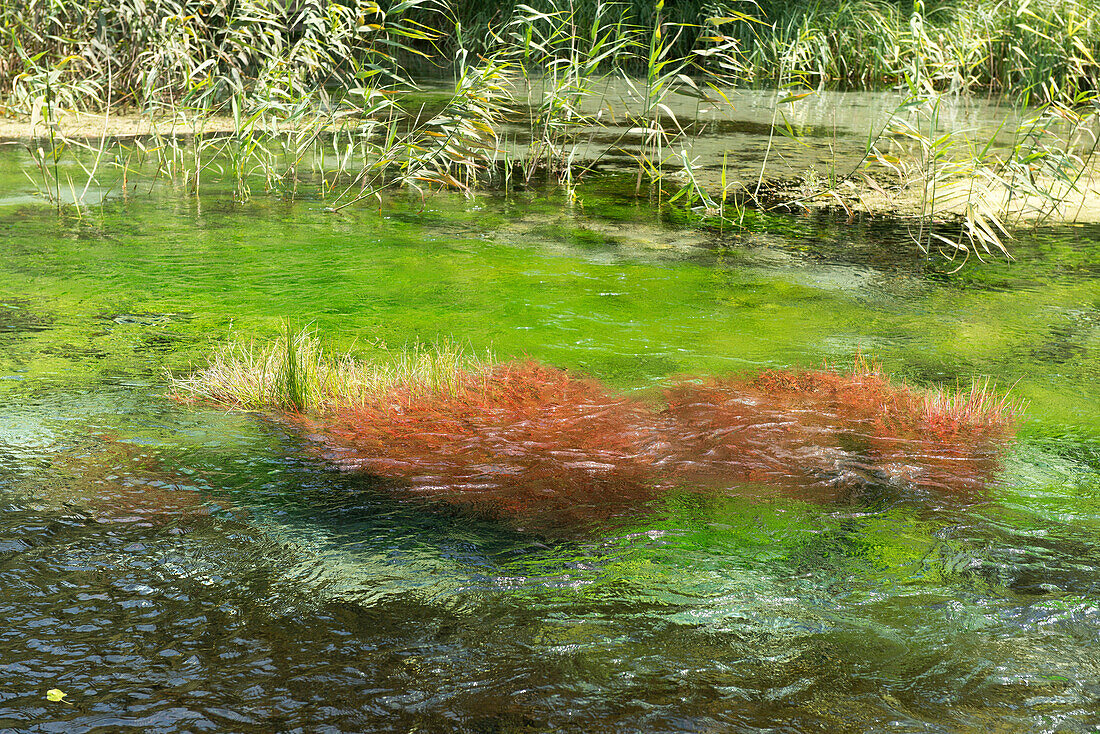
[[524, 439], [327, 97]]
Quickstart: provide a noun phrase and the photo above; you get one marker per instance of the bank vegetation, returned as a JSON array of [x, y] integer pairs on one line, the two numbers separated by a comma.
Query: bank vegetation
[[272, 94]]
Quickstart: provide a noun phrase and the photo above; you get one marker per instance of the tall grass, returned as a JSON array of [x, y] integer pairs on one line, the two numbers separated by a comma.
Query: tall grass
[[201, 53], [291, 75], [167, 51], [1043, 48]]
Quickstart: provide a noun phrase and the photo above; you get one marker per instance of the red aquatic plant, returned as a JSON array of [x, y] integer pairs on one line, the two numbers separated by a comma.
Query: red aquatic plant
[[521, 440], [535, 444], [116, 481], [828, 430]]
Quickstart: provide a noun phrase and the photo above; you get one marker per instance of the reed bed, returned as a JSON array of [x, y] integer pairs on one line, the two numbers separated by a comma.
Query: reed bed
[[158, 52], [323, 95], [324, 81]]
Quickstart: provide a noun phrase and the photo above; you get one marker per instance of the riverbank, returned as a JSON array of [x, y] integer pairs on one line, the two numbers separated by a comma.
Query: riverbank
[[86, 126], [865, 153]]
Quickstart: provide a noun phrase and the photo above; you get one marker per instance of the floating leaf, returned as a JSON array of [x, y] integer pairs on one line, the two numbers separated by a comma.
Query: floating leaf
[[56, 695]]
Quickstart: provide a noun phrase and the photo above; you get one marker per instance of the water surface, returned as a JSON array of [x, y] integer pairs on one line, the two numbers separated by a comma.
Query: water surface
[[175, 568]]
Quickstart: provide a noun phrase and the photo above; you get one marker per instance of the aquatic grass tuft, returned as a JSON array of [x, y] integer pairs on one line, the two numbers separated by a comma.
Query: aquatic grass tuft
[[801, 426], [522, 437], [867, 392], [295, 373], [980, 406]]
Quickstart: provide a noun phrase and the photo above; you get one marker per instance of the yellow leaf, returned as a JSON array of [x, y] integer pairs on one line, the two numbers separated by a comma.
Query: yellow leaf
[[794, 97], [56, 695]]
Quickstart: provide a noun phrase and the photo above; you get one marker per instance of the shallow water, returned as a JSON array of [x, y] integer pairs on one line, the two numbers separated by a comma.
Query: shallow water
[[187, 569], [746, 134]]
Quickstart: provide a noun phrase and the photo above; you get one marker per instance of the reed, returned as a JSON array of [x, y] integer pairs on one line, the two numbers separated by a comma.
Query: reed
[[302, 84], [170, 53]]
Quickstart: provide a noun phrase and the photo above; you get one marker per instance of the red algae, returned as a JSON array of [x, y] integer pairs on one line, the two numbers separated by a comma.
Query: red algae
[[521, 440], [117, 483], [534, 444], [823, 428]]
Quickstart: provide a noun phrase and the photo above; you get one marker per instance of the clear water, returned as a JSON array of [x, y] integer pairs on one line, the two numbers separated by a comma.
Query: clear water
[[182, 569]]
